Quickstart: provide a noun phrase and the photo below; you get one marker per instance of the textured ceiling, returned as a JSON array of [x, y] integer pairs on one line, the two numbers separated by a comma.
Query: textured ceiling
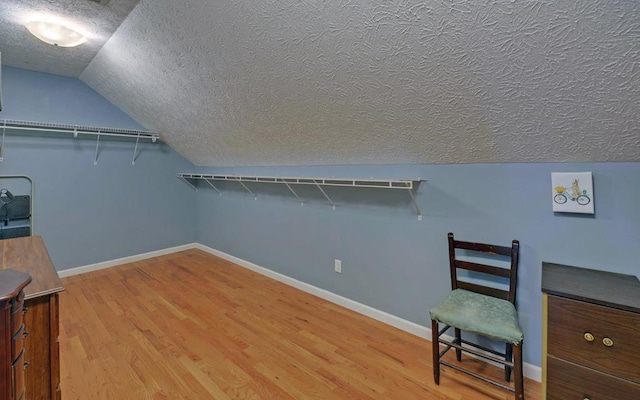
[[96, 21], [311, 82]]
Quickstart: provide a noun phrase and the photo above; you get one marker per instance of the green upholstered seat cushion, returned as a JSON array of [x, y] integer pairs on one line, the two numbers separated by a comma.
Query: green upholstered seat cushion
[[474, 312]]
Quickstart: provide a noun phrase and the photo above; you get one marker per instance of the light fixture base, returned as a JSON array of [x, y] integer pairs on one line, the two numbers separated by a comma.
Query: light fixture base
[[55, 34]]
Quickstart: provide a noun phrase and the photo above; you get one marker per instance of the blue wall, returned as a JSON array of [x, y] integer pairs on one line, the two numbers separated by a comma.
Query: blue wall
[[91, 213], [391, 261], [395, 263]]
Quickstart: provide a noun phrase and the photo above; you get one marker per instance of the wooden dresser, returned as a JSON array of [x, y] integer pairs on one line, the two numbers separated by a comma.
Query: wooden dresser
[[591, 334], [12, 364], [41, 355]]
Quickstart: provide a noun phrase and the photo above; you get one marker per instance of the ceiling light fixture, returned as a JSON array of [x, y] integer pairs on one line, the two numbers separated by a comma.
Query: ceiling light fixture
[[55, 34]]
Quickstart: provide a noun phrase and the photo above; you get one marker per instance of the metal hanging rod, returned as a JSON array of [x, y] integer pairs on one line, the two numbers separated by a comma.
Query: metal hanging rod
[[406, 184], [77, 129], [403, 184]]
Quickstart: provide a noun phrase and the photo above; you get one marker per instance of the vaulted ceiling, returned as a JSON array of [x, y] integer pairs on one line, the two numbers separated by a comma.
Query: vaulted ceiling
[[313, 82]]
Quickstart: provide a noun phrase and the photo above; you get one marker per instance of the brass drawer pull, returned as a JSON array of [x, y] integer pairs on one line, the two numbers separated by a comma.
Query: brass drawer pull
[[607, 342], [26, 365], [588, 337], [24, 310], [25, 334]]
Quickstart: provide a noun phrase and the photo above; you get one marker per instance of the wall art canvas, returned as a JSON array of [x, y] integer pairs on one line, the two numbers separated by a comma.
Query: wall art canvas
[[572, 192]]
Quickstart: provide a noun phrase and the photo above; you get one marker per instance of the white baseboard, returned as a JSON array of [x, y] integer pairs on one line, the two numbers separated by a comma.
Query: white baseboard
[[530, 371], [124, 260]]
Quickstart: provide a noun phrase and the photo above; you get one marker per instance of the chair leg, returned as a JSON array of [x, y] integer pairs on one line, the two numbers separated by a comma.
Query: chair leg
[[459, 341], [435, 346], [517, 371], [507, 357]]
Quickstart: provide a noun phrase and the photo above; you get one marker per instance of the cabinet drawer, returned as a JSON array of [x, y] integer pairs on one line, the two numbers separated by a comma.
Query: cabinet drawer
[[568, 381], [569, 321], [18, 299], [16, 312], [17, 343], [17, 375]]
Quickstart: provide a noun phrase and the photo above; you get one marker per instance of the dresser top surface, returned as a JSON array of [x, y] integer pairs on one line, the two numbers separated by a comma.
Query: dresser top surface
[[600, 287], [29, 254], [11, 283]]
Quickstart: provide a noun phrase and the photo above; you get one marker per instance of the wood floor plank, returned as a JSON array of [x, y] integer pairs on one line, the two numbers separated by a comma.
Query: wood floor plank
[[190, 325]]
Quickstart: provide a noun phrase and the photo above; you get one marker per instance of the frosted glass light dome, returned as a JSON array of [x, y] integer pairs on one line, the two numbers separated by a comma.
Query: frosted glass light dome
[[55, 34]]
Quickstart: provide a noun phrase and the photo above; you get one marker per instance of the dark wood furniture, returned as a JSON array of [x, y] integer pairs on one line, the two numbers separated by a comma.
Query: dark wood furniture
[[12, 363], [591, 333], [475, 301], [29, 255]]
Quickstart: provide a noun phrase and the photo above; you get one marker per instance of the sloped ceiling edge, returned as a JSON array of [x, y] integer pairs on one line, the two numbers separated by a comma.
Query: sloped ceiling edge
[[355, 82]]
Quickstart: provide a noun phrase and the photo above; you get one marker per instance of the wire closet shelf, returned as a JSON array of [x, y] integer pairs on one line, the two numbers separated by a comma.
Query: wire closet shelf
[[76, 130], [398, 184]]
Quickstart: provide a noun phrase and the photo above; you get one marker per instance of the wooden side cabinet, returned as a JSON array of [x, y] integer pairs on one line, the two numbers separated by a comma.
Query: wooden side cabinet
[[12, 364], [591, 334], [41, 318]]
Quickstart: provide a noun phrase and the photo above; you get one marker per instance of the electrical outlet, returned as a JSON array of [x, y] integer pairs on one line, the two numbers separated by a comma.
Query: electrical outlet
[[338, 266]]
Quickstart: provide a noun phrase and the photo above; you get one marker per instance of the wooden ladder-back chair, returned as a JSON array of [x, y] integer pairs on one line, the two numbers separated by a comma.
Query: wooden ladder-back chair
[[483, 310]]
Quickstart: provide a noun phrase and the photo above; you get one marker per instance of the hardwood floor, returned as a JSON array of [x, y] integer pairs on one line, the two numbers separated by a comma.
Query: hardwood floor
[[192, 326]]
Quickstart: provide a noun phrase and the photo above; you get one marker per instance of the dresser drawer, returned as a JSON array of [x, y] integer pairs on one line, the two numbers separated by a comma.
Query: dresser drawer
[[17, 344], [577, 332], [568, 381], [17, 307], [17, 375]]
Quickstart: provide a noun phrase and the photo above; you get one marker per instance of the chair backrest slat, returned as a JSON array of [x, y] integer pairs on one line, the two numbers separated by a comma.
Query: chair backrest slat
[[483, 268], [486, 290], [487, 249], [483, 248]]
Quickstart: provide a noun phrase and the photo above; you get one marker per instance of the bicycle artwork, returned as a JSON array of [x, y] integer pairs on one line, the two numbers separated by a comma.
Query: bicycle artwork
[[572, 192], [576, 195]]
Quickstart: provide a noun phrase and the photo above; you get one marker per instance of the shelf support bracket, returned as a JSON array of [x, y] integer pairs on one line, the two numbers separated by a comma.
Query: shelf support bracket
[[247, 189], [325, 194], [213, 186], [415, 204], [183, 179], [95, 158], [4, 128], [294, 193], [135, 151]]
